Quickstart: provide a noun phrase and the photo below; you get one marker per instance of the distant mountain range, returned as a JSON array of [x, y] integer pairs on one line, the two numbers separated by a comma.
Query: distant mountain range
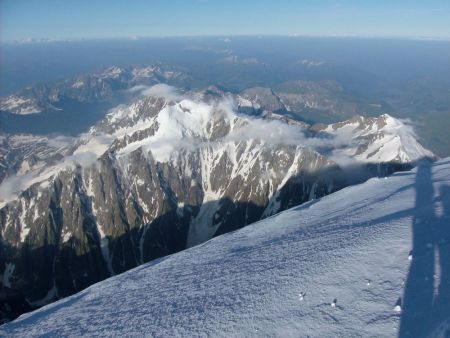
[[303, 99], [105, 85]]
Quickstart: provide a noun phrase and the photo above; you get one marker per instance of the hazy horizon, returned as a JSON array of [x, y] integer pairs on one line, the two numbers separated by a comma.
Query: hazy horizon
[[36, 40], [50, 19]]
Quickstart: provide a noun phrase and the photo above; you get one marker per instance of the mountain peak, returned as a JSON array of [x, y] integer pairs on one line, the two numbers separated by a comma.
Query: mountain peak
[[166, 172], [376, 139]]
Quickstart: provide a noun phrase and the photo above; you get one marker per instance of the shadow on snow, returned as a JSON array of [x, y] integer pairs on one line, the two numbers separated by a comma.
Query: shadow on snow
[[426, 300]]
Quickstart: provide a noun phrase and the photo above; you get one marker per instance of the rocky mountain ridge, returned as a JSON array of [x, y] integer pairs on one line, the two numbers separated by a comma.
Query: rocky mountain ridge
[[166, 172], [97, 86]]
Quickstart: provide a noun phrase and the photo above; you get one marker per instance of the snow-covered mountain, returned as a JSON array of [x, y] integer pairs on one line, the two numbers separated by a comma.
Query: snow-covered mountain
[[379, 139], [369, 260], [169, 171], [98, 86], [20, 105], [21, 154]]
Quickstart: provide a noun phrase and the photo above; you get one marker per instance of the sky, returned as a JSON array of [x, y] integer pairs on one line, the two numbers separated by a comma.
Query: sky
[[75, 19]]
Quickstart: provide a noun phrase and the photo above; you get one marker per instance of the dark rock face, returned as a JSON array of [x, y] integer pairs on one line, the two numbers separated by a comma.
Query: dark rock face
[[262, 99], [12, 303], [91, 223], [96, 222]]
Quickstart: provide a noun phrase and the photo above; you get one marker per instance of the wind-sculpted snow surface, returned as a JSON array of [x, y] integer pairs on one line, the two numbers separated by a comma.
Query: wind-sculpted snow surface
[[371, 260]]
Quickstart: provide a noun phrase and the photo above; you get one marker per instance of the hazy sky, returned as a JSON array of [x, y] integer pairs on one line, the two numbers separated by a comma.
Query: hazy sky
[[54, 19]]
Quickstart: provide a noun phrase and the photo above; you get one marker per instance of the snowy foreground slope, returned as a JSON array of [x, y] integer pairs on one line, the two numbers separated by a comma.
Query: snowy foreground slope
[[381, 249]]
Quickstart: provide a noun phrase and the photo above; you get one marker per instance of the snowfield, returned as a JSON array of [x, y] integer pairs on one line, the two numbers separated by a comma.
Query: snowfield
[[371, 260]]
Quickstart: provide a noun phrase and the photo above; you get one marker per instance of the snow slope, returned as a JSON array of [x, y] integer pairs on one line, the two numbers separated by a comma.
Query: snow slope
[[354, 246]]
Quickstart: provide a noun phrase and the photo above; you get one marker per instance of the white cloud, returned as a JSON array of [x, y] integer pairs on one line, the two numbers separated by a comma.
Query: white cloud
[[138, 88], [61, 141], [12, 185], [158, 90], [162, 90]]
